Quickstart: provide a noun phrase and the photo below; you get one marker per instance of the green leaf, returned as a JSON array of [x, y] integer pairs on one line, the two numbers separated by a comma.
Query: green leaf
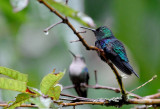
[[11, 84], [13, 74], [50, 81], [33, 91], [55, 91], [21, 98], [69, 12]]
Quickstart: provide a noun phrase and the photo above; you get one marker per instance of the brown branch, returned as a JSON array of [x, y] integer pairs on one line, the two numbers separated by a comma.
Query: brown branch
[[51, 9], [70, 25], [77, 98], [53, 25], [97, 86], [112, 102], [66, 21], [144, 101], [4, 104], [81, 103], [82, 32], [74, 41], [157, 95], [115, 102], [68, 87], [118, 77], [117, 90]]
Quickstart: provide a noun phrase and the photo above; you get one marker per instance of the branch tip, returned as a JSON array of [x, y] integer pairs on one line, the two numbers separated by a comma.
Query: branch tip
[[53, 25], [154, 77]]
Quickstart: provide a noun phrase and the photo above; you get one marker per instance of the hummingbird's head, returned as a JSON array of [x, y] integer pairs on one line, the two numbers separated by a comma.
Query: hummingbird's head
[[101, 32], [77, 58]]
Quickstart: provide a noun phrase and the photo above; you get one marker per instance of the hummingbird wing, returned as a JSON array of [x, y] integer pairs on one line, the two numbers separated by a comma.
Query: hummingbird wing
[[117, 54], [82, 91], [119, 49]]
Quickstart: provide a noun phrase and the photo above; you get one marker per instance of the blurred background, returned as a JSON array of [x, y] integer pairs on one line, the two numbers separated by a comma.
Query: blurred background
[[24, 46]]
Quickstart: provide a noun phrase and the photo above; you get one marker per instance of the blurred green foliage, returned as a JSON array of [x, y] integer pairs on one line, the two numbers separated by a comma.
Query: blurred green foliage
[[136, 23]]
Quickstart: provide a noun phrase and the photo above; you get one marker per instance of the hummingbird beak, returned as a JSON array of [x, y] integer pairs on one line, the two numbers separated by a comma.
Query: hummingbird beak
[[72, 54], [89, 29]]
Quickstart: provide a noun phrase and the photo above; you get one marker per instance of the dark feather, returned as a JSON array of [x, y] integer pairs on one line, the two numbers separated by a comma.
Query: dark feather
[[115, 51], [77, 81]]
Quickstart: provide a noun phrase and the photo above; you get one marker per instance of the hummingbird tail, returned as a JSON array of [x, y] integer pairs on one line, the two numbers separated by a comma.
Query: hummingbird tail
[[124, 66], [82, 92], [136, 74], [130, 69]]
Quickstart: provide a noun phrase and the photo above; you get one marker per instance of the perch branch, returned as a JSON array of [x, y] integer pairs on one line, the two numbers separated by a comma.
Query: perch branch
[[113, 102], [68, 87], [77, 98], [97, 86], [157, 95]]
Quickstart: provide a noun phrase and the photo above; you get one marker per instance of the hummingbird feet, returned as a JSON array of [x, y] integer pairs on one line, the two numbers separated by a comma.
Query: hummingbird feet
[[123, 76], [100, 50], [83, 84]]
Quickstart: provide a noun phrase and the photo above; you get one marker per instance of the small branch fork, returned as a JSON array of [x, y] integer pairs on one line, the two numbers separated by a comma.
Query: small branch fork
[[97, 86]]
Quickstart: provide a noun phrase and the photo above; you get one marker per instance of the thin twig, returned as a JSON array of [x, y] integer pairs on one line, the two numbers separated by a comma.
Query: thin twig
[[81, 103], [117, 90], [4, 104], [77, 98], [154, 77], [74, 41], [68, 87], [66, 99], [97, 86], [96, 80], [53, 25]]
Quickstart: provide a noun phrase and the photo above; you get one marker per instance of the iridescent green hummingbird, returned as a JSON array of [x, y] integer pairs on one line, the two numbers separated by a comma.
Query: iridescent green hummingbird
[[78, 73], [113, 48]]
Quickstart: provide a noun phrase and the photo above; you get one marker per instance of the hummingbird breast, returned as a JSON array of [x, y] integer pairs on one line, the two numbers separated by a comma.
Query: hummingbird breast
[[76, 68]]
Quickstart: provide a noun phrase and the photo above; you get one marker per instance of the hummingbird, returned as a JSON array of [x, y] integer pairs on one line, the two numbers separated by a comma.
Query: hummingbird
[[78, 73], [113, 48]]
